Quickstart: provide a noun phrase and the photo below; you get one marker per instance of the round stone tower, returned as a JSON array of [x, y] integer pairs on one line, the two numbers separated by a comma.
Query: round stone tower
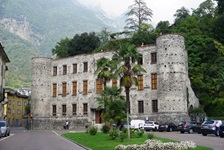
[[41, 91], [172, 74]]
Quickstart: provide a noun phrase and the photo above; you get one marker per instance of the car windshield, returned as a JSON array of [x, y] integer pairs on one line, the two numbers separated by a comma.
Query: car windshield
[[2, 124], [209, 122], [181, 123], [149, 122]]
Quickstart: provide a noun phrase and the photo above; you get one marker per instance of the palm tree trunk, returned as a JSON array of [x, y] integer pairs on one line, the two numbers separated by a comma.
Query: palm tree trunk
[[127, 90]]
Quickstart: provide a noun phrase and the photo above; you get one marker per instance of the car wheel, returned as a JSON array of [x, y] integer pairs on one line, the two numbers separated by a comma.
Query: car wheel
[[204, 134], [190, 131], [8, 134], [171, 129], [182, 132], [217, 133]]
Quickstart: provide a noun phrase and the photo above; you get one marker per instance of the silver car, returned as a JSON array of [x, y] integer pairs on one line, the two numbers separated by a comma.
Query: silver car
[[5, 130]]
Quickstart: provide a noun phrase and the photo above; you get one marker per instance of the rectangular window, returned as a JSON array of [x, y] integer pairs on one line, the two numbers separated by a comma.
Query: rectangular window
[[99, 86], [64, 89], [74, 88], [85, 69], [74, 68], [64, 69], [154, 80], [153, 58], [85, 87], [140, 82], [53, 110], [140, 107], [114, 83], [54, 90], [54, 70], [154, 105], [63, 110], [18, 111], [140, 61], [18, 103], [85, 109], [74, 109]]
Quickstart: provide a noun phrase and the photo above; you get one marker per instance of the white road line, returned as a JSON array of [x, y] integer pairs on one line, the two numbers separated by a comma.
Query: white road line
[[3, 138], [55, 132]]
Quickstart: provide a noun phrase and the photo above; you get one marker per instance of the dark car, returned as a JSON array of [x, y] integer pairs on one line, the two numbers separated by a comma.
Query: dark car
[[209, 127], [167, 127], [4, 128], [221, 130], [189, 126]]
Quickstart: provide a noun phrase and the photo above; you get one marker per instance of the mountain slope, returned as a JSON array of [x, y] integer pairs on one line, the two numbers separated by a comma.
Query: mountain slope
[[35, 26]]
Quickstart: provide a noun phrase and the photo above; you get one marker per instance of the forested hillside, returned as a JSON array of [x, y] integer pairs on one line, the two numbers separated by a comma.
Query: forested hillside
[[33, 27]]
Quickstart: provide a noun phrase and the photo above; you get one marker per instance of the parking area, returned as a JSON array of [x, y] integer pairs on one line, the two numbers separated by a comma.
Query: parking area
[[211, 140]]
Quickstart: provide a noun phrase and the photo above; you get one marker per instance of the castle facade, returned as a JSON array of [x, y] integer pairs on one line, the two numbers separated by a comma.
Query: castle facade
[[67, 88]]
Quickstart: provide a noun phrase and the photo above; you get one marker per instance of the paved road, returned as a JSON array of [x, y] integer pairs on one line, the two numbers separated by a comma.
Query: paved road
[[21, 139], [212, 141]]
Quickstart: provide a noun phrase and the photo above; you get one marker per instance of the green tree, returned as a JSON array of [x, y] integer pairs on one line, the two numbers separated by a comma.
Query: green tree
[[127, 69], [113, 105], [163, 27], [61, 49], [137, 15], [104, 36], [104, 69], [181, 14], [27, 109], [220, 6], [83, 44], [143, 36]]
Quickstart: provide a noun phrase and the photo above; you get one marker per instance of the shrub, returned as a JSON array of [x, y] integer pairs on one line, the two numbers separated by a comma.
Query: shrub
[[124, 130], [140, 132], [92, 130], [122, 136], [113, 134], [105, 129], [150, 136]]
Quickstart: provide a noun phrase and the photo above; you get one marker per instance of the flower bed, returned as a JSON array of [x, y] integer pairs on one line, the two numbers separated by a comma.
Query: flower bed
[[158, 145]]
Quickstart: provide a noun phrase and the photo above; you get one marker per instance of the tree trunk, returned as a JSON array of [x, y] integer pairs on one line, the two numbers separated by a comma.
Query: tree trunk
[[127, 91]]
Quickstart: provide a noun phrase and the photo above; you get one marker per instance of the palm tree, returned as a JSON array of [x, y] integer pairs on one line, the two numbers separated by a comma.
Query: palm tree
[[113, 104], [104, 69], [127, 69]]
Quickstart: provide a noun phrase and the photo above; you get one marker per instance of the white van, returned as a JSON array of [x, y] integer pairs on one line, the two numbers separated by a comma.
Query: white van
[[137, 124]]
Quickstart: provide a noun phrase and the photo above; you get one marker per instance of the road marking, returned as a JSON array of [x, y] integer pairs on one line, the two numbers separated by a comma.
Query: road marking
[[55, 132], [3, 138]]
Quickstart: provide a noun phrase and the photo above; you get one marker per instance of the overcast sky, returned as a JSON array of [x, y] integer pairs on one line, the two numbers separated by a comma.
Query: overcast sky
[[162, 9]]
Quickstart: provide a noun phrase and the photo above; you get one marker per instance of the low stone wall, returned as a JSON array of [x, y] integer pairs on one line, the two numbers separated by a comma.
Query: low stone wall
[[49, 123], [174, 117]]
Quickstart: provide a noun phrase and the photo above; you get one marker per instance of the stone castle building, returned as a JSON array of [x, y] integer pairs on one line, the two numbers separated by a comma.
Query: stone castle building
[[66, 88]]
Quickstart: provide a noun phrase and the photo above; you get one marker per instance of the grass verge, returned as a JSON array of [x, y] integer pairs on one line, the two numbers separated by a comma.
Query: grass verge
[[102, 141]]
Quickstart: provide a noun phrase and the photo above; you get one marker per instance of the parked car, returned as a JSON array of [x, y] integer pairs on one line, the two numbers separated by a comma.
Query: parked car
[[221, 130], [151, 125], [0, 133], [137, 124], [5, 129], [124, 125], [167, 127], [209, 127], [189, 126]]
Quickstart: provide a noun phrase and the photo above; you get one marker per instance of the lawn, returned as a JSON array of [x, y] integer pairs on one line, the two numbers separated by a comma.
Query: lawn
[[102, 141]]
